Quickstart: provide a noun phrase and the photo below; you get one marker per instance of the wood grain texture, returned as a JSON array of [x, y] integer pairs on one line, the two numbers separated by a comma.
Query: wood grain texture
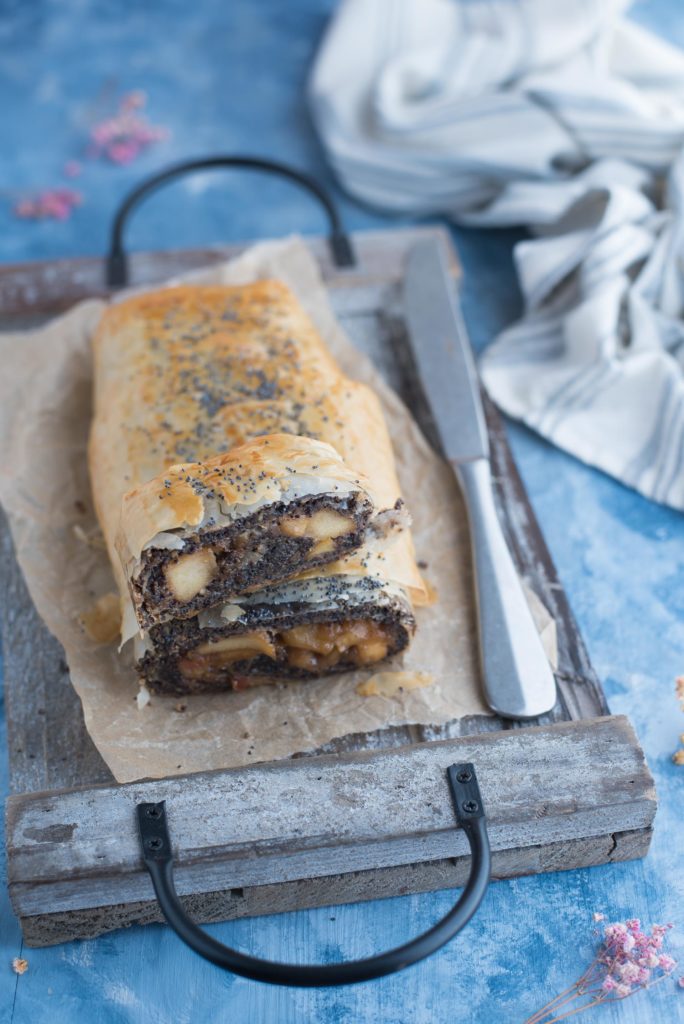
[[49, 746], [42, 287], [331, 890], [310, 818]]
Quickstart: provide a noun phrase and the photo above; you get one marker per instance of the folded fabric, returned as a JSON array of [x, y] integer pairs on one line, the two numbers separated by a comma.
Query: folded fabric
[[596, 363], [564, 118]]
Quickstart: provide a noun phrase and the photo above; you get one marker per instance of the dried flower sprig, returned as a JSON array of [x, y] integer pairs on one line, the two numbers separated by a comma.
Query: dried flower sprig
[[54, 203], [678, 756], [124, 136], [119, 138], [628, 961]]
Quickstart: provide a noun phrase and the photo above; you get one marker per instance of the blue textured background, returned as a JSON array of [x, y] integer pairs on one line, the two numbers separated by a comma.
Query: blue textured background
[[230, 76]]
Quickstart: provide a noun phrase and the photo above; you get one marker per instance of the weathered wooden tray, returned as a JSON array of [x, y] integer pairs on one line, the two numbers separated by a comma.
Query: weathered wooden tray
[[368, 816]]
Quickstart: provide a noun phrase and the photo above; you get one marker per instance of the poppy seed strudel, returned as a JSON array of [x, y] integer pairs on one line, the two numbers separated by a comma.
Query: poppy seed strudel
[[228, 455]]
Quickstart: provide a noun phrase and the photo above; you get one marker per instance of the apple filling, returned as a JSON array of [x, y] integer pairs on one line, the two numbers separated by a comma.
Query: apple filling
[[318, 646], [190, 574], [322, 527], [314, 647]]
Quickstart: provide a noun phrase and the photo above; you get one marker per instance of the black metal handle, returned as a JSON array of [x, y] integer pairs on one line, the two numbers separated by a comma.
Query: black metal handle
[[117, 261], [158, 858]]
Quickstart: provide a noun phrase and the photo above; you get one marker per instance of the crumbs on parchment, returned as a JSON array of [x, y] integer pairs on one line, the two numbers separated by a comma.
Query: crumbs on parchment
[[102, 621]]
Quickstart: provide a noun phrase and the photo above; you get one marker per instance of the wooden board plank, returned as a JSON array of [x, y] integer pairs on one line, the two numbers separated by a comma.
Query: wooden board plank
[[51, 286], [48, 744], [313, 818], [352, 887]]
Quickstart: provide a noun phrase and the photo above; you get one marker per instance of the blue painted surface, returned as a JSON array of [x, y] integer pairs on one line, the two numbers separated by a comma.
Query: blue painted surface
[[230, 76]]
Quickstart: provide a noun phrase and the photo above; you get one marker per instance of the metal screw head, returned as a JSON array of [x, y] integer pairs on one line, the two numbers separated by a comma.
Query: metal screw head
[[153, 812], [470, 806], [464, 775], [154, 843]]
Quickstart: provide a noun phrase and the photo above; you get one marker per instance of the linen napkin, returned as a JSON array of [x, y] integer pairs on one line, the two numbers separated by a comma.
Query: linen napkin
[[566, 118]]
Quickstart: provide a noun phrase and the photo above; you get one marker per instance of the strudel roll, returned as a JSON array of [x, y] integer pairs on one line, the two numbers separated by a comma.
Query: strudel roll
[[228, 455]]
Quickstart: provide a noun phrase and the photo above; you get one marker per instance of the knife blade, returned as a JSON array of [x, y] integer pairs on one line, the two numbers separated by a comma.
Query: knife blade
[[516, 675]]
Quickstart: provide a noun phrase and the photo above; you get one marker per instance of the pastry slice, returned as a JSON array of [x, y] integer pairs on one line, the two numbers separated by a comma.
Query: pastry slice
[[268, 510], [298, 630]]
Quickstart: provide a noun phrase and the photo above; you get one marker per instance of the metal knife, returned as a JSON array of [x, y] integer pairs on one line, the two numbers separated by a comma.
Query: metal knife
[[516, 675]]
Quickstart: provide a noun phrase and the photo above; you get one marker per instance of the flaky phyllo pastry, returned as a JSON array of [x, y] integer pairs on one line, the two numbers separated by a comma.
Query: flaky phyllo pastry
[[247, 493]]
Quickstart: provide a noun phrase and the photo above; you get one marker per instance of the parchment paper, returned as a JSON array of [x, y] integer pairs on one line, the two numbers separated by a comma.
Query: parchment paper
[[45, 396]]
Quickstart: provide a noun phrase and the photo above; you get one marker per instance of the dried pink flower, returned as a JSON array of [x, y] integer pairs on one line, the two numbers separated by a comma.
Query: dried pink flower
[[122, 137], [56, 203], [629, 972], [626, 962], [123, 152]]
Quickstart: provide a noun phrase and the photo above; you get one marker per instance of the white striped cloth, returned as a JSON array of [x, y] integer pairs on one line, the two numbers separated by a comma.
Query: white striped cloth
[[566, 118]]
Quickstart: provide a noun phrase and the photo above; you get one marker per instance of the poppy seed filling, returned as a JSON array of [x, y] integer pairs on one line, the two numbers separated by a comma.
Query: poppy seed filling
[[275, 542]]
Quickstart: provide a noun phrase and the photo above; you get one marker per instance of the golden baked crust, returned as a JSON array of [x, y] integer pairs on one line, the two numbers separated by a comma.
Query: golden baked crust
[[188, 373]]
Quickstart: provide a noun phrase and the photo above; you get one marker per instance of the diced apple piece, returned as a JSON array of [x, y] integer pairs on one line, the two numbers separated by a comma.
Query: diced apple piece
[[327, 523], [294, 526], [370, 651], [321, 547], [302, 659], [248, 644], [191, 573], [322, 525]]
